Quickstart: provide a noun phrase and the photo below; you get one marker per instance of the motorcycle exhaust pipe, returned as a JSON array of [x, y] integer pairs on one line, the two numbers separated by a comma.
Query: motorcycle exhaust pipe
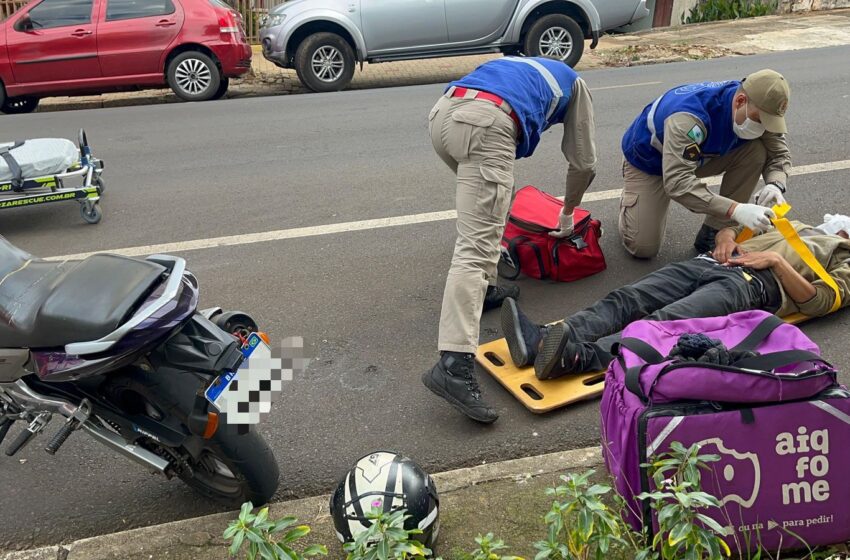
[[154, 463]]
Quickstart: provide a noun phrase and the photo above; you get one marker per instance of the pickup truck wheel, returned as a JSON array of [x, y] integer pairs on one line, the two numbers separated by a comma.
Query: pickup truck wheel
[[555, 36], [19, 105], [324, 62]]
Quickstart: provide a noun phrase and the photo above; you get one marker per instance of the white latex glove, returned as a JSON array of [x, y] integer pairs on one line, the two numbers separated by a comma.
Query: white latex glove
[[565, 223], [833, 223], [753, 216], [769, 195]]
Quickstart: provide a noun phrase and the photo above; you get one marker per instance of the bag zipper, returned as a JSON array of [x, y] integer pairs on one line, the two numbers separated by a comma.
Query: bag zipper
[[696, 408], [537, 228], [804, 376]]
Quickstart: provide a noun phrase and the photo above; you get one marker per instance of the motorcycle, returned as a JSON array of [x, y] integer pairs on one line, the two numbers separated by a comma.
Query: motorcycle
[[117, 348]]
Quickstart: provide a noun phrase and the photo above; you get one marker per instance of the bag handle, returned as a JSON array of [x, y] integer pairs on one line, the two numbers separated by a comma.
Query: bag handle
[[643, 350], [576, 240], [758, 334], [793, 238], [646, 353], [513, 244], [511, 250]]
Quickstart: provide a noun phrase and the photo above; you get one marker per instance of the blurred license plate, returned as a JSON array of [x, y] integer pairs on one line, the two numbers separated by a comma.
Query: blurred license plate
[[216, 391]]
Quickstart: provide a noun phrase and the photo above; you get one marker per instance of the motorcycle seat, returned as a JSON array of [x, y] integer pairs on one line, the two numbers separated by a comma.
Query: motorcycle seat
[[47, 304]]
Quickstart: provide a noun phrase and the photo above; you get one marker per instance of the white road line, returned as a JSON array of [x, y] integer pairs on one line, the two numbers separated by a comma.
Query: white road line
[[626, 85], [346, 227]]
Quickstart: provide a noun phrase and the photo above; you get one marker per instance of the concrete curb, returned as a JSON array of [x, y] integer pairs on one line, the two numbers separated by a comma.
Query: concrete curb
[[202, 531]]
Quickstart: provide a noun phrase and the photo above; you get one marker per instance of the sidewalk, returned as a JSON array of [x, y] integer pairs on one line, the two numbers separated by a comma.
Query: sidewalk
[[508, 499], [691, 42]]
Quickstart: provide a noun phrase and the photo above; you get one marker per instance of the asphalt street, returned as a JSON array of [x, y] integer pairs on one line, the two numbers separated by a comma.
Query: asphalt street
[[366, 302]]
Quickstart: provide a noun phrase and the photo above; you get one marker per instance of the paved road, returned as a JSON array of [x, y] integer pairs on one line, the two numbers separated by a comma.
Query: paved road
[[366, 302]]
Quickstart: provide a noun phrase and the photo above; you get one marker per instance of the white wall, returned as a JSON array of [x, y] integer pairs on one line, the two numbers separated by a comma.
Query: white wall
[[681, 8]]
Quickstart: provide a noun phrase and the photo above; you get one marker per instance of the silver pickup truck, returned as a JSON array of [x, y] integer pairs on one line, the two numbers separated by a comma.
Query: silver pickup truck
[[324, 39]]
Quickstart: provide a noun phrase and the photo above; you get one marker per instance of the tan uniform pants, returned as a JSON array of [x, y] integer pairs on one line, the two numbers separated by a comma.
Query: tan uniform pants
[[477, 140], [644, 202]]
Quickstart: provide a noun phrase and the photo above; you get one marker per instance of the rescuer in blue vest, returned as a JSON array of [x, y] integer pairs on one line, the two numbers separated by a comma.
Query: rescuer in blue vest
[[484, 122], [700, 130]]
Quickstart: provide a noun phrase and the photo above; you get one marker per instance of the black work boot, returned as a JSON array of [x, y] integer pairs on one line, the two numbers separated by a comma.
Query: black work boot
[[559, 355], [704, 242], [496, 295], [453, 378], [522, 335]]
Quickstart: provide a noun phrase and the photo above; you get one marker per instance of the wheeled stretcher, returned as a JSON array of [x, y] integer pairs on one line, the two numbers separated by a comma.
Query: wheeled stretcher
[[47, 170]]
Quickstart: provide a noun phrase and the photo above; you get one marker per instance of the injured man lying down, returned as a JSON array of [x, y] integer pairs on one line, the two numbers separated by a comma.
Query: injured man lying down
[[764, 272]]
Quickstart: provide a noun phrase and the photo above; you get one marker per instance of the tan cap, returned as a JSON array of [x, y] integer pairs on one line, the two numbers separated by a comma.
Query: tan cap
[[769, 91]]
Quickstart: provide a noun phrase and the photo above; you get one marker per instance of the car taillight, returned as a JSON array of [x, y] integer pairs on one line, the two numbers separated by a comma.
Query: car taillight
[[227, 24]]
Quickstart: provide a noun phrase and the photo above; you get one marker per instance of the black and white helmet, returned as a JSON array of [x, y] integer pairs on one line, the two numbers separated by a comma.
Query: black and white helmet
[[389, 481]]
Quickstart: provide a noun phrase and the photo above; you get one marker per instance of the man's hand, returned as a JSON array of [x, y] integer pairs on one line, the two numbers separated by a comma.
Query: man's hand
[[769, 196], [725, 246], [753, 216], [565, 223], [760, 260]]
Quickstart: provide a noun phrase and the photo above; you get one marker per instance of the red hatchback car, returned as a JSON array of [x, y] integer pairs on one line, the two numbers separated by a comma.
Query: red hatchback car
[[73, 47]]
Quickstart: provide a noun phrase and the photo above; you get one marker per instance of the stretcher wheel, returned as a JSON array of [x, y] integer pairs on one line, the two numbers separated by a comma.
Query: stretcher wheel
[[99, 183], [91, 212]]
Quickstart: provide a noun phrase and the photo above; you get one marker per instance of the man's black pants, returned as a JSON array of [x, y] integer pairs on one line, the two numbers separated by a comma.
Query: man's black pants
[[698, 287]]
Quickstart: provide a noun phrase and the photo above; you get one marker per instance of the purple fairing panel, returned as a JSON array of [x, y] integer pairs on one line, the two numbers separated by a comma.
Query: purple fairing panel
[[59, 366]]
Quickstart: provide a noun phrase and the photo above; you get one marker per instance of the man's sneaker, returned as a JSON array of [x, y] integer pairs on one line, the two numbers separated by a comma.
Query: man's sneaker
[[704, 242], [558, 355], [496, 295], [453, 379], [522, 335]]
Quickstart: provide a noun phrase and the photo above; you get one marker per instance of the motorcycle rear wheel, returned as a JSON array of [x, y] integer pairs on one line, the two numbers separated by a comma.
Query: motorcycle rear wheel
[[230, 468], [234, 468]]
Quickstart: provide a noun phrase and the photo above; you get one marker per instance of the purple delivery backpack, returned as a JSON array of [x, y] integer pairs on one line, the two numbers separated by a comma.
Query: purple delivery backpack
[[778, 419]]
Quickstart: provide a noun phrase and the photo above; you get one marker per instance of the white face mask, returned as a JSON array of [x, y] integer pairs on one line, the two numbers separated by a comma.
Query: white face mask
[[751, 129]]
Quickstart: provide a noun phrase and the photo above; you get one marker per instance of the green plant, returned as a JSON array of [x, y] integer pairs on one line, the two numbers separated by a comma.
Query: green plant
[[581, 525], [488, 549], [386, 538], [683, 531], [716, 10], [259, 533]]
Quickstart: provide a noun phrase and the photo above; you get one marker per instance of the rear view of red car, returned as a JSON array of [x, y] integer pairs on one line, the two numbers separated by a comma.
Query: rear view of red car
[[84, 47]]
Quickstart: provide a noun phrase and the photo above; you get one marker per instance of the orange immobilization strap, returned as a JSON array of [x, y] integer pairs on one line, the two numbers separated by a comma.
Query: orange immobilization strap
[[780, 210], [793, 238], [790, 234]]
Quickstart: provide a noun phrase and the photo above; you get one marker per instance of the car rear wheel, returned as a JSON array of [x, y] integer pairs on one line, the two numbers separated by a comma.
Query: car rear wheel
[[555, 36], [19, 105], [325, 62], [194, 76]]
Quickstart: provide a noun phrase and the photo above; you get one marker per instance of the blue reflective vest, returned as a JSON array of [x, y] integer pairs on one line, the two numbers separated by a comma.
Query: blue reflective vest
[[710, 102], [538, 90]]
